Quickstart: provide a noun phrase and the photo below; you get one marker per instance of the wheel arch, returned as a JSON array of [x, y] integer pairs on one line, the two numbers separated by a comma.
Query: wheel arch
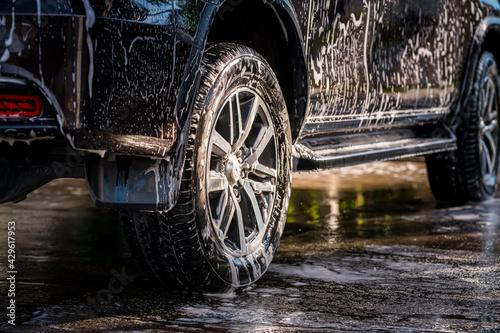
[[486, 37], [272, 30], [489, 37]]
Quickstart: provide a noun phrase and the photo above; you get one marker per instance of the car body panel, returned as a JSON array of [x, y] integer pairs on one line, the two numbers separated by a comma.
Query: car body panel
[[381, 64], [121, 76]]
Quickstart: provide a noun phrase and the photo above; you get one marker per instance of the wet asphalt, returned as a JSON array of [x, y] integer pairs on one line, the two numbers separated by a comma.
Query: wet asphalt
[[365, 249]]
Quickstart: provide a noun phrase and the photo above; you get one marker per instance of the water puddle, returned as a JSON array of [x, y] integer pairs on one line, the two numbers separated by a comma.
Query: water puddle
[[390, 204], [364, 249]]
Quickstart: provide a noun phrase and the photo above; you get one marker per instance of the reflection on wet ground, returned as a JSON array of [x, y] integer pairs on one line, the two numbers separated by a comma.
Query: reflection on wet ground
[[365, 249]]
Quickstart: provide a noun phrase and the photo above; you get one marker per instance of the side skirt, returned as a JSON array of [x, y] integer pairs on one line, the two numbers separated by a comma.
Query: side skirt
[[326, 152]]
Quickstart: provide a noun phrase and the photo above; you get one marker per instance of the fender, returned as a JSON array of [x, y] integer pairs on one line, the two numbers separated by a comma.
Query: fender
[[486, 26], [191, 79], [285, 13]]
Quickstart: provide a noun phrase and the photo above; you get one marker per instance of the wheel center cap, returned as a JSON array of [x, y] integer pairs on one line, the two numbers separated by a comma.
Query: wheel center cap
[[233, 170]]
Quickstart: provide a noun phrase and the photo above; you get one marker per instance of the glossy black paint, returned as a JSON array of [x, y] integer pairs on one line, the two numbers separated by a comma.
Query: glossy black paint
[[119, 77], [112, 83], [380, 64]]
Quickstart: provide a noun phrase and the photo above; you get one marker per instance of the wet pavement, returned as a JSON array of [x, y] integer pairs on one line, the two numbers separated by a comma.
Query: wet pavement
[[365, 249]]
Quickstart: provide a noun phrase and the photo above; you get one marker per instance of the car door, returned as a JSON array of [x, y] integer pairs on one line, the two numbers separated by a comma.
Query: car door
[[416, 59], [339, 36]]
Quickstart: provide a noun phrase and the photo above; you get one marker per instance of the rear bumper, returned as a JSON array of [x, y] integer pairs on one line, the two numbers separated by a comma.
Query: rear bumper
[[117, 81], [110, 87]]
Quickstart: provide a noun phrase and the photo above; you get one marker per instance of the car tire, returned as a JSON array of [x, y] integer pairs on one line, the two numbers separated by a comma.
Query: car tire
[[470, 174], [225, 228]]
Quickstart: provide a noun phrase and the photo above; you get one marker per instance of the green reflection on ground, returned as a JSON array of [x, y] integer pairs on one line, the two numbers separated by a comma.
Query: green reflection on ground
[[305, 208], [357, 213]]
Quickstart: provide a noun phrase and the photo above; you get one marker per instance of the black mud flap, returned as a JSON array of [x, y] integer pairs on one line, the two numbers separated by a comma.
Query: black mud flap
[[130, 183]]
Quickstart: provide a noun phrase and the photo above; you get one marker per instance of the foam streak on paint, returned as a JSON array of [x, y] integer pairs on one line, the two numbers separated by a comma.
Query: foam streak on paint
[[89, 23], [39, 22], [370, 62], [8, 41]]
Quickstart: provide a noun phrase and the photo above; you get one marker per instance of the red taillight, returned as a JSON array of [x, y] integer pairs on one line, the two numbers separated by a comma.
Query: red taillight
[[20, 106]]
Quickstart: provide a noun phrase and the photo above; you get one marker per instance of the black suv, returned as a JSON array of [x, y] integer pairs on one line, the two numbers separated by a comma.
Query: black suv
[[190, 116]]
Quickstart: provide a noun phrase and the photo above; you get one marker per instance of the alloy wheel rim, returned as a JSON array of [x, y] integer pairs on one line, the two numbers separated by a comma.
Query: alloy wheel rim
[[488, 133], [242, 172]]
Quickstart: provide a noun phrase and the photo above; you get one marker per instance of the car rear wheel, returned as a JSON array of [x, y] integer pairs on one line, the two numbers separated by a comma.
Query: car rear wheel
[[226, 226], [471, 173]]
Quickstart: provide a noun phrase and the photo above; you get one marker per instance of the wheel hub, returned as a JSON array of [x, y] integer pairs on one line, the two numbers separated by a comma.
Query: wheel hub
[[233, 170]]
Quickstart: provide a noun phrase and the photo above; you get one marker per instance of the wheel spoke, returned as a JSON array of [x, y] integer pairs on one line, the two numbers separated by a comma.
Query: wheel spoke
[[221, 207], [231, 121], [247, 127], [255, 205], [492, 126], [487, 164], [488, 128], [262, 187], [492, 116], [492, 149], [220, 145], [227, 218], [240, 120], [265, 137], [241, 225], [217, 182], [264, 171], [489, 97], [264, 141], [485, 96]]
